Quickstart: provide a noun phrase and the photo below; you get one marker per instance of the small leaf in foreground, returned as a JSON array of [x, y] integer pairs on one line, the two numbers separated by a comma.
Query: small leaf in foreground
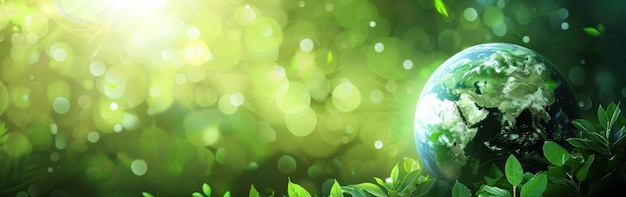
[[197, 194], [253, 192], [441, 7], [335, 190], [535, 186], [206, 189], [556, 154], [592, 31], [513, 171], [460, 190], [582, 172], [295, 190], [146, 194]]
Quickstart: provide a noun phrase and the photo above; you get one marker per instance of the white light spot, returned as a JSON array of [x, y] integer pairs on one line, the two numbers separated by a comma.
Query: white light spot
[[60, 55], [93, 136], [564, 25], [306, 45], [526, 39], [470, 14], [61, 105], [236, 99], [181, 78], [117, 128], [329, 7], [193, 33], [97, 68], [139, 167], [378, 144], [301, 4], [379, 47], [114, 106], [54, 129], [407, 64], [155, 91], [372, 23]]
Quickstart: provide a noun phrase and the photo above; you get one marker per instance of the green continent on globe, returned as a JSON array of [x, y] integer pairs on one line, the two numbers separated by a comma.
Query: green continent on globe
[[499, 93]]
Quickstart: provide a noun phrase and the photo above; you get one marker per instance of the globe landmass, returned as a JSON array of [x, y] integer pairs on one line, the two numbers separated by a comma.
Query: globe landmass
[[490, 101]]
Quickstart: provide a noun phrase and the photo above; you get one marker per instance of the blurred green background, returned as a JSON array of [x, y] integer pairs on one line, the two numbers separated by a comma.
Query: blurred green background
[[112, 98]]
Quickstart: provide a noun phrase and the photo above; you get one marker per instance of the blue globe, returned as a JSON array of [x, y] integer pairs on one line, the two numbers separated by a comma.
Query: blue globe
[[490, 101]]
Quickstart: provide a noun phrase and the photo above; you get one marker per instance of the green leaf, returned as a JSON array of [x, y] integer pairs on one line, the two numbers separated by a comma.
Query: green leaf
[[619, 144], [441, 7], [535, 186], [253, 192], [587, 144], [383, 183], [493, 191], [146, 194], [584, 125], [335, 190], [409, 179], [592, 31], [582, 172], [227, 194], [354, 191], [206, 189], [394, 175], [460, 190], [197, 194], [370, 188], [295, 190], [556, 154], [603, 119], [3, 128], [495, 172], [513, 171], [410, 165], [556, 174]]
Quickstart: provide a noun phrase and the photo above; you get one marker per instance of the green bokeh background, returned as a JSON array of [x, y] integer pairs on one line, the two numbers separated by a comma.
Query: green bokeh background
[[113, 98]]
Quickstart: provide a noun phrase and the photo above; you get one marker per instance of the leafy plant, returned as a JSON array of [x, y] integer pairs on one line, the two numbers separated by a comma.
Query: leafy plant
[[507, 183], [598, 155], [412, 183]]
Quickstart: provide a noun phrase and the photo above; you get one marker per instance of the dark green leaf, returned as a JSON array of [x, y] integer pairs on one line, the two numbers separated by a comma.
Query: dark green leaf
[[596, 137], [295, 190], [371, 188], [146, 194], [600, 28], [493, 191], [603, 119], [513, 171], [206, 189], [253, 192], [495, 172], [592, 31], [460, 190], [335, 190], [582, 172], [584, 125], [556, 174], [197, 194], [619, 144], [535, 186], [616, 134], [556, 154], [441, 7]]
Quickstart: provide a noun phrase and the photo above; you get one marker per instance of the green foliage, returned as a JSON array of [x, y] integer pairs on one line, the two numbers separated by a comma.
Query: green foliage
[[441, 7], [594, 31], [596, 163], [296, 190], [410, 181]]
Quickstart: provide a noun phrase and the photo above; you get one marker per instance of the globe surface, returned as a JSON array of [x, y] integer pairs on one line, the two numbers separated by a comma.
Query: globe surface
[[490, 101]]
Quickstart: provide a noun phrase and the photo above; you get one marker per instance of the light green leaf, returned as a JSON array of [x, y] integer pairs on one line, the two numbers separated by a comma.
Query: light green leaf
[[410, 164], [206, 189], [592, 31], [295, 190], [535, 186], [441, 7], [253, 192], [335, 190], [582, 172], [3, 128], [197, 194], [513, 171], [394, 175], [371, 188], [146, 194], [486, 190], [227, 194], [382, 183], [460, 190], [556, 154]]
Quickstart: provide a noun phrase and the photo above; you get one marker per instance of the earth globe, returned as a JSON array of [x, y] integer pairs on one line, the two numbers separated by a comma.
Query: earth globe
[[490, 101]]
